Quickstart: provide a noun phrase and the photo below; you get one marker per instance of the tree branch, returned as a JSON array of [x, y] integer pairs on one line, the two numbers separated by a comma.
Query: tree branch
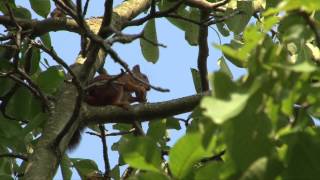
[[203, 51], [45, 158], [205, 5], [140, 112]]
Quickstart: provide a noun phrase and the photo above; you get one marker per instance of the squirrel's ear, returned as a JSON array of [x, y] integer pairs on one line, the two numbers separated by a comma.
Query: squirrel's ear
[[136, 68]]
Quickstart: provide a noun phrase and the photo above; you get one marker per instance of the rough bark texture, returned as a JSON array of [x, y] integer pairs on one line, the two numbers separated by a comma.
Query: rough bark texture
[[44, 161]]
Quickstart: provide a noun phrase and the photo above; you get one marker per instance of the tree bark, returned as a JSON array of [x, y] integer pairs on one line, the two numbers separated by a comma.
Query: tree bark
[[44, 160]]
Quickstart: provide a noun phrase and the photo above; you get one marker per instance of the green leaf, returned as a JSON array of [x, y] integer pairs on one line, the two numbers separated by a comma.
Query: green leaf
[[41, 7], [3, 7], [115, 173], [304, 67], [238, 54], [151, 175], [157, 129], [302, 157], [238, 23], [187, 151], [221, 110], [84, 166], [222, 29], [294, 28], [257, 170], [65, 167], [210, 170], [172, 123], [32, 64], [192, 31], [149, 50], [311, 5], [46, 39], [196, 80], [15, 104], [35, 123], [10, 134], [224, 67], [5, 177], [141, 153], [6, 85], [51, 79], [181, 11], [223, 86], [21, 12], [122, 127]]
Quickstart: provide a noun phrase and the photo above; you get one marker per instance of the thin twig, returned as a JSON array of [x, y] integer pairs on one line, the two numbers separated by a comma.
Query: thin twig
[[105, 152], [154, 14], [85, 9], [14, 155]]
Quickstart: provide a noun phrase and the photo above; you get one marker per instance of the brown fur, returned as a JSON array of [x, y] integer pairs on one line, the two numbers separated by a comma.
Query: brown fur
[[116, 92]]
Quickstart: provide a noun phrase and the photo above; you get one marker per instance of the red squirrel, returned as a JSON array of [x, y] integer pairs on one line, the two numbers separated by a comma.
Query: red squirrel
[[118, 91], [115, 91]]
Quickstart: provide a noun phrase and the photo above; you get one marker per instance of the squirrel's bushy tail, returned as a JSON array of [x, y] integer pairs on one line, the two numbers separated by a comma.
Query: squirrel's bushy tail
[[75, 139]]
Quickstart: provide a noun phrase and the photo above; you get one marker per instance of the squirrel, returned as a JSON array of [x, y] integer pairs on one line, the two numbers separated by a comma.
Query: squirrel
[[117, 91]]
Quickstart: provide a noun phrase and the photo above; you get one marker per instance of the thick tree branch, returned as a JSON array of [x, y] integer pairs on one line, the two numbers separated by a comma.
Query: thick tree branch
[[140, 112], [38, 28]]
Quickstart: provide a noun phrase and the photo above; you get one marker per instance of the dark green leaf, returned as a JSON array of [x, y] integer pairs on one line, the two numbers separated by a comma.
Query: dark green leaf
[[65, 166], [21, 12], [151, 175], [84, 167], [41, 7], [115, 173], [35, 122], [20, 102], [150, 51], [257, 170], [3, 7], [196, 80], [46, 39], [5, 177], [302, 155], [222, 29], [51, 79], [6, 85], [157, 130], [172, 123], [192, 32]]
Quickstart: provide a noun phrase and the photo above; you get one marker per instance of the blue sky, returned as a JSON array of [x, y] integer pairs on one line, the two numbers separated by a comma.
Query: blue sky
[[171, 71]]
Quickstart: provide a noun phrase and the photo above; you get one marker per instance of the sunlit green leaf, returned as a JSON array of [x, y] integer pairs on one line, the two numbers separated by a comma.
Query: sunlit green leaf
[[185, 153], [227, 108], [224, 67], [141, 153]]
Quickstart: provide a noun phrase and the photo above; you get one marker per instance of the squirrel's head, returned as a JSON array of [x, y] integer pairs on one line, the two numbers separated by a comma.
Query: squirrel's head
[[136, 71]]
